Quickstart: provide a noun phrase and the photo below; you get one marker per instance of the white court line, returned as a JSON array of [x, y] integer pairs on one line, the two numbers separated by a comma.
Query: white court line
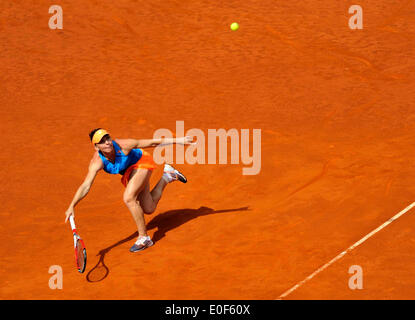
[[311, 276]]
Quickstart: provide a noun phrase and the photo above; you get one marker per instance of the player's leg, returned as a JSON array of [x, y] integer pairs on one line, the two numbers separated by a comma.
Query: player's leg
[[149, 200], [137, 182]]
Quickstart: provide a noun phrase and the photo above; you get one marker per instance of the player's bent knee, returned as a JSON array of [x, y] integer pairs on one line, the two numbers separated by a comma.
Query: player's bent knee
[[129, 200]]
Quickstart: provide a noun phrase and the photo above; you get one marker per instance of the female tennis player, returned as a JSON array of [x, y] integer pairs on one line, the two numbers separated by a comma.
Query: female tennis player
[[126, 157]]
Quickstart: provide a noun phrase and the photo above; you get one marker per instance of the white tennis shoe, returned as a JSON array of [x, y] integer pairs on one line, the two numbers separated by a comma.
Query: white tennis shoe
[[141, 244], [170, 174]]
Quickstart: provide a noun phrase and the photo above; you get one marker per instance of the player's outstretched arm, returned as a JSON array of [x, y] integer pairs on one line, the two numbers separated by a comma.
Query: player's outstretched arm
[[129, 144], [83, 190]]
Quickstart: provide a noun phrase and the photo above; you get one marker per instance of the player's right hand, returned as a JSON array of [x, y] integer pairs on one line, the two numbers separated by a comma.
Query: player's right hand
[[68, 213]]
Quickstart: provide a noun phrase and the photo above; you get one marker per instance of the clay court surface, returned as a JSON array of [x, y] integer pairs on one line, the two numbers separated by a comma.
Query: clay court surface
[[336, 108]]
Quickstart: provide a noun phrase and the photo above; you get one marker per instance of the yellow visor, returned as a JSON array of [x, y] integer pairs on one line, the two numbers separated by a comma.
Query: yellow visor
[[98, 135]]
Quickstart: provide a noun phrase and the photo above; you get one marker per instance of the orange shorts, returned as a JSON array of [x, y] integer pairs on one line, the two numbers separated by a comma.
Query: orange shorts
[[146, 162]]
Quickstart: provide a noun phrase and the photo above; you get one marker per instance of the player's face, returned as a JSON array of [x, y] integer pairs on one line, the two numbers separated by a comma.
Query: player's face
[[105, 145]]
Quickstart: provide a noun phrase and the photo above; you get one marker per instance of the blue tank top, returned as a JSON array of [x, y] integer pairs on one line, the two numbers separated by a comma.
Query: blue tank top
[[122, 162]]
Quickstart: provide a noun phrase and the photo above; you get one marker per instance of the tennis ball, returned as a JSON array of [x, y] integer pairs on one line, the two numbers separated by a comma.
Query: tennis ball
[[234, 26]]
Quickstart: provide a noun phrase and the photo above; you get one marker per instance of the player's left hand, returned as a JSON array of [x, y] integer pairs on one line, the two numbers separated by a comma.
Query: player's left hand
[[187, 140]]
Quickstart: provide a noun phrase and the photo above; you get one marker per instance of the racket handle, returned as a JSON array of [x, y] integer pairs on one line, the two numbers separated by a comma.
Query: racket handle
[[72, 222]]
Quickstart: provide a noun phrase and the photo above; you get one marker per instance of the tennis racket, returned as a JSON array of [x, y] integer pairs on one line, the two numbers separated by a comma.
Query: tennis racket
[[80, 250]]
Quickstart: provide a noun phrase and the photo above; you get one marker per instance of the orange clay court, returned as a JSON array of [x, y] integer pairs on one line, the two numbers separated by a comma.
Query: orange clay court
[[336, 109]]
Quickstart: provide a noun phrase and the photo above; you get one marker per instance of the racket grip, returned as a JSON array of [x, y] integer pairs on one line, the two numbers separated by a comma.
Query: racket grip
[[72, 222]]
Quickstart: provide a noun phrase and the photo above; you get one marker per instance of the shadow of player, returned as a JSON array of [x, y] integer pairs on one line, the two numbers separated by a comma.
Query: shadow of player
[[164, 223], [172, 219]]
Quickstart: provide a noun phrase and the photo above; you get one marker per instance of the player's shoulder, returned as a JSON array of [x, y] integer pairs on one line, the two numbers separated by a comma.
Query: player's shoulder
[[96, 162]]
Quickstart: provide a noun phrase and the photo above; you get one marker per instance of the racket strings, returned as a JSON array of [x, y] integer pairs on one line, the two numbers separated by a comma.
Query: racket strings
[[80, 256]]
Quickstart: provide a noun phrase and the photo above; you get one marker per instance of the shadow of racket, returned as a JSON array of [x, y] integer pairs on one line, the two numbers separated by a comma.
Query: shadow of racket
[[99, 272]]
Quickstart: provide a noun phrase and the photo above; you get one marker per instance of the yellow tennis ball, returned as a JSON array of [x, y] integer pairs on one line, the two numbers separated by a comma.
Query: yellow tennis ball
[[234, 26]]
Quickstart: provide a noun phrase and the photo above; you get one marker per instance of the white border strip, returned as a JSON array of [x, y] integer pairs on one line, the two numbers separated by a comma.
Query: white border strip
[[311, 276]]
